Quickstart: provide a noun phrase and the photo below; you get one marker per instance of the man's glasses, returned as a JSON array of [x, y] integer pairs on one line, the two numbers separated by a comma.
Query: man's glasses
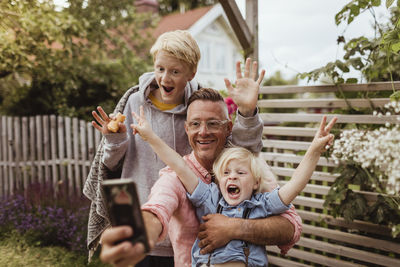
[[211, 125]]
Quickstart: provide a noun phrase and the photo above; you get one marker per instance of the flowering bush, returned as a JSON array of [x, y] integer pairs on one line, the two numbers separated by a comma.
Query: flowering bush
[[45, 218], [369, 160]]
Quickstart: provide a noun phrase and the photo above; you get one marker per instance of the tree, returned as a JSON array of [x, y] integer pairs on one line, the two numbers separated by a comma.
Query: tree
[[377, 59], [67, 61], [169, 6]]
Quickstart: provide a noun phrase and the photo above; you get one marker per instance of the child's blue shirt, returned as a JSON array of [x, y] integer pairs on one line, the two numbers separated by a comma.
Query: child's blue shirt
[[206, 198]]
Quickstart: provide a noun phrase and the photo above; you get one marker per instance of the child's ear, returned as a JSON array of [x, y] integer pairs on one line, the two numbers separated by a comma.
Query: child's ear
[[256, 185], [191, 76]]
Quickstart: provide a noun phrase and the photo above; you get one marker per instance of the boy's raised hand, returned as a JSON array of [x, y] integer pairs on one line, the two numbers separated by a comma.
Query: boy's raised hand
[[103, 120], [142, 127], [323, 138], [245, 94]]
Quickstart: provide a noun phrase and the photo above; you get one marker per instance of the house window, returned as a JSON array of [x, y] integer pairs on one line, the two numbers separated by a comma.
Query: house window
[[204, 63], [220, 57]]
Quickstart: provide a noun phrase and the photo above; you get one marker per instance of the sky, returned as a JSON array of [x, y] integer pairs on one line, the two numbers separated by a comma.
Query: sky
[[298, 36]]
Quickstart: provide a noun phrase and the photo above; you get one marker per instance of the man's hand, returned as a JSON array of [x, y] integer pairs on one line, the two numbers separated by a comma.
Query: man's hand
[[123, 254], [245, 93], [215, 232], [103, 120]]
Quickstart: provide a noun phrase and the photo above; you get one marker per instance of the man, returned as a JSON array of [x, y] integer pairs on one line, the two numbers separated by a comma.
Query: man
[[168, 209]]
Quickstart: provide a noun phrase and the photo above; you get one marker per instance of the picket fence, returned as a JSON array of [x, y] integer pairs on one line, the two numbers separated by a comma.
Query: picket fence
[[45, 149], [51, 149]]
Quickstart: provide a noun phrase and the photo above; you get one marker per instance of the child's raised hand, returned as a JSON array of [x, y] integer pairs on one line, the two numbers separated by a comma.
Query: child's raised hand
[[142, 127], [323, 138], [102, 120]]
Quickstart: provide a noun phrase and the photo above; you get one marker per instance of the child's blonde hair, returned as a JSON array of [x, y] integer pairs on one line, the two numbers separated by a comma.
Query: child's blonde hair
[[179, 44], [257, 164]]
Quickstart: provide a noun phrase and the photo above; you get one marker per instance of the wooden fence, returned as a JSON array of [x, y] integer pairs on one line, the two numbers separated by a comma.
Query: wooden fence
[[45, 149], [326, 241], [53, 149]]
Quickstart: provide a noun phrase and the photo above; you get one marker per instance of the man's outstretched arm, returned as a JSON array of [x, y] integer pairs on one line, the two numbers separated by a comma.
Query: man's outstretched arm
[[282, 230]]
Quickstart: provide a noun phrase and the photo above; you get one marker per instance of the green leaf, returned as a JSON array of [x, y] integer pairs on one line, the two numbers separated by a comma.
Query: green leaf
[[389, 3], [395, 47], [395, 96]]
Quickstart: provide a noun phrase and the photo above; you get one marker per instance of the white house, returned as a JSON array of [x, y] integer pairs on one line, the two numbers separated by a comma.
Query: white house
[[219, 46]]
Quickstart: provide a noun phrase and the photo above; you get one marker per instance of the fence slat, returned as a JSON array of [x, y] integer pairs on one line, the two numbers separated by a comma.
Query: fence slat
[[18, 152], [39, 148], [61, 147], [53, 141], [83, 152], [32, 152], [3, 157], [25, 152], [46, 149], [10, 146], [75, 131], [68, 140]]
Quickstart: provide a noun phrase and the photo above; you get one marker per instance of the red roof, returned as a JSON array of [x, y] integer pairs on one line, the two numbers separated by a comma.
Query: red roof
[[178, 21]]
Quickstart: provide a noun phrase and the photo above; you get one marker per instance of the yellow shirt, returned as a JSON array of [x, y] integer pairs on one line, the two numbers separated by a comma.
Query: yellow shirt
[[160, 105]]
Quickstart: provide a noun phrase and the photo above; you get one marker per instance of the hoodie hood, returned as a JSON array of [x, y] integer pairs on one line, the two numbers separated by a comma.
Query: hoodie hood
[[148, 83]]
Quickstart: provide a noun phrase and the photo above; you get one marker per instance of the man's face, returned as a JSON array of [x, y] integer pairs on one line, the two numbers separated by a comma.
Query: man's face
[[207, 142], [172, 76]]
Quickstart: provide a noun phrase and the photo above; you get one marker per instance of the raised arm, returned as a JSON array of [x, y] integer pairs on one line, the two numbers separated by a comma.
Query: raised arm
[[169, 156], [303, 172]]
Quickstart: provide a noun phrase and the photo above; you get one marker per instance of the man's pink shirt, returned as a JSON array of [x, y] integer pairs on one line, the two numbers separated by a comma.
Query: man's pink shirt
[[169, 203]]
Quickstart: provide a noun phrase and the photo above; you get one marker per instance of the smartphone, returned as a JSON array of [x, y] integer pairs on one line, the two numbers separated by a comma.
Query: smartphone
[[124, 208]]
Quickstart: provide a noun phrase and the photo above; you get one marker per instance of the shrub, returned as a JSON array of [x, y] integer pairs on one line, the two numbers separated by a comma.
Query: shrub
[[47, 217]]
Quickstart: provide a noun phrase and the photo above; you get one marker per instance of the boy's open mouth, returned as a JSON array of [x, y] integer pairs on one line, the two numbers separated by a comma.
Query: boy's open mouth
[[168, 89]]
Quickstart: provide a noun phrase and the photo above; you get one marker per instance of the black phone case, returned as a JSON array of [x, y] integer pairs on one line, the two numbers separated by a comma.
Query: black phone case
[[124, 208]]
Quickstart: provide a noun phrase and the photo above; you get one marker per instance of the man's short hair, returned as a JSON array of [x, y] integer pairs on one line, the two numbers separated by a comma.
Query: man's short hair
[[206, 94], [179, 44]]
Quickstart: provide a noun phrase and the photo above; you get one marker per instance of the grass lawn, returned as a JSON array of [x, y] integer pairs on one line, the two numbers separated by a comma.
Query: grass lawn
[[16, 252]]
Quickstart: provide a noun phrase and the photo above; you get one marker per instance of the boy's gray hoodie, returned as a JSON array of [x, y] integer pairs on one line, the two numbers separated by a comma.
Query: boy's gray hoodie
[[127, 155]]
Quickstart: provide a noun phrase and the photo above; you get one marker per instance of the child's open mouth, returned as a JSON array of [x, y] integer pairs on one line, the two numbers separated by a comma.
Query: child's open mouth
[[168, 89], [233, 190]]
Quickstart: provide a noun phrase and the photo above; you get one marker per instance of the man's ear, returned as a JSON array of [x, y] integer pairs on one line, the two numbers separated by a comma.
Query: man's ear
[[186, 129], [230, 126]]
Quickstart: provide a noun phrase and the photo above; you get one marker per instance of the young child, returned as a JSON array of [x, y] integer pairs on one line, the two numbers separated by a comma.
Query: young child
[[238, 174]]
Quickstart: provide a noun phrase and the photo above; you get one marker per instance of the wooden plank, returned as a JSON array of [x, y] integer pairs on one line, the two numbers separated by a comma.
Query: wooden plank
[[39, 147], [286, 144], [355, 225], [46, 149], [97, 138], [238, 24], [305, 117], [10, 144], [309, 202], [323, 103], [252, 23], [274, 260], [352, 238], [32, 138], [370, 87], [313, 257], [75, 137], [68, 140], [289, 131], [290, 158], [3, 157], [311, 188], [91, 142], [83, 153], [61, 148], [53, 142], [25, 152], [349, 252], [18, 152], [317, 175]]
